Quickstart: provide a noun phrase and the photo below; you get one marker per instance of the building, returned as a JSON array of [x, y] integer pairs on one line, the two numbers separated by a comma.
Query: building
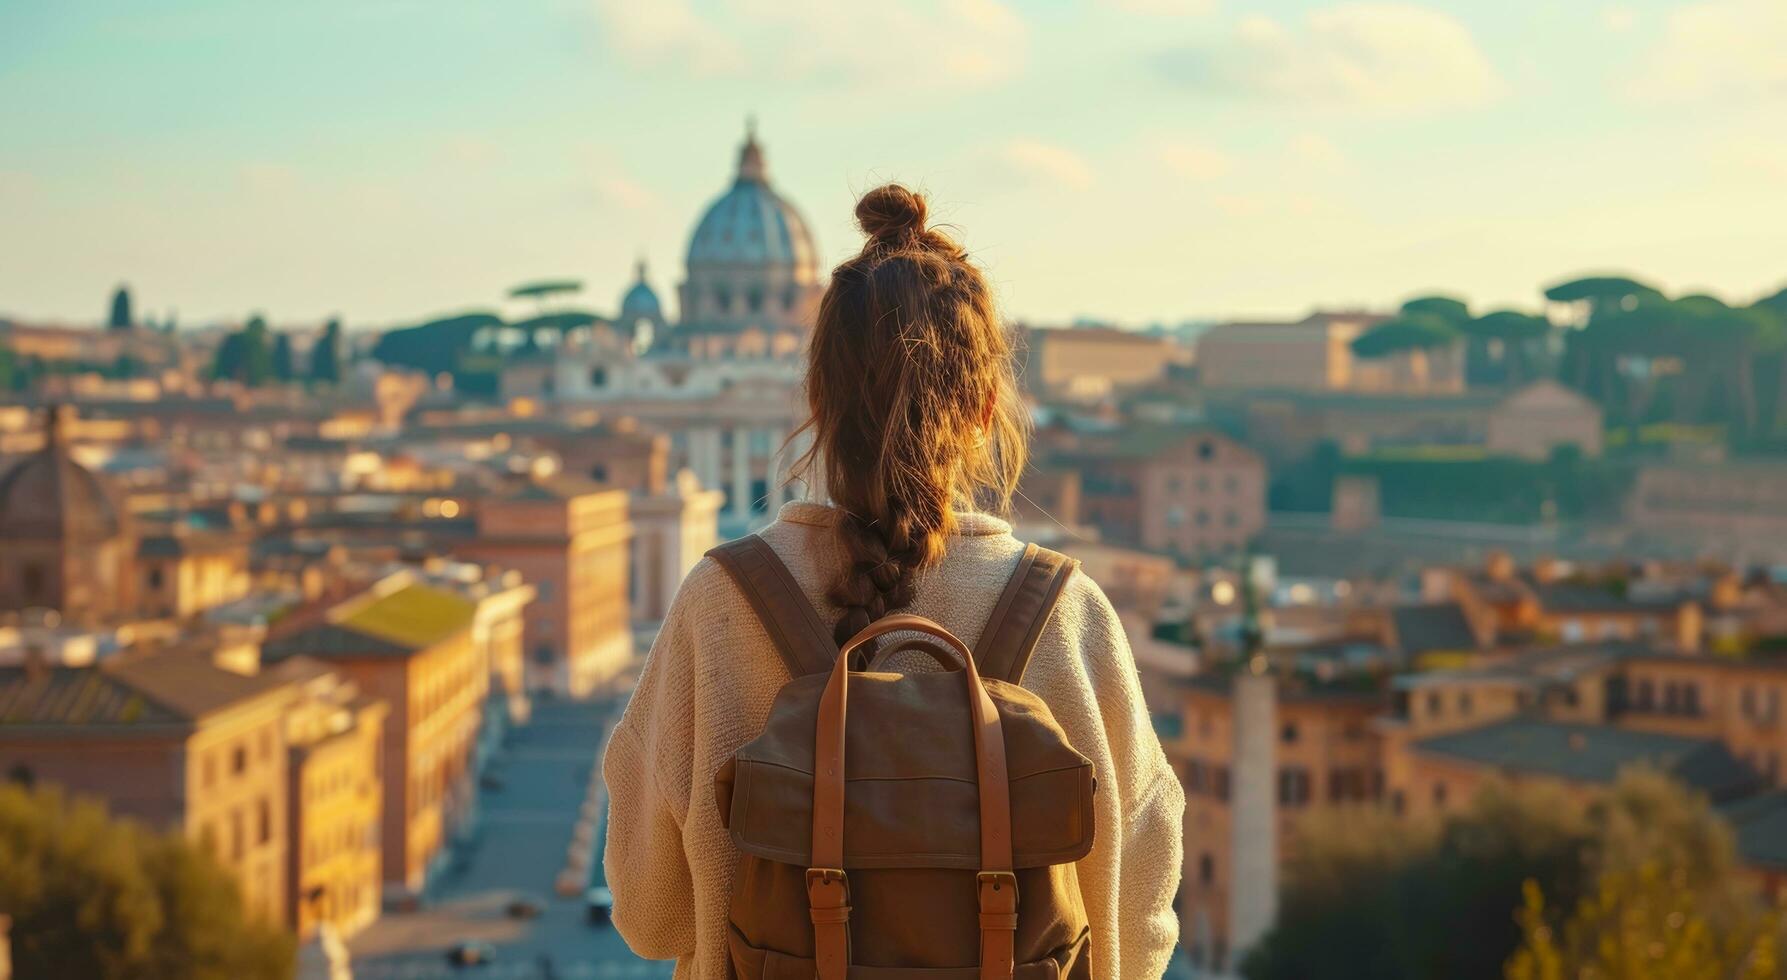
[[66, 540], [571, 540], [1092, 362], [335, 800], [1447, 770], [172, 740], [1179, 490], [183, 571], [752, 283], [1324, 752], [1732, 506], [1312, 354], [1537, 420], [672, 530], [410, 645]]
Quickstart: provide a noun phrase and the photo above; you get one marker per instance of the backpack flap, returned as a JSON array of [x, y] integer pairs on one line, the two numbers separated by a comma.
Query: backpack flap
[[911, 799]]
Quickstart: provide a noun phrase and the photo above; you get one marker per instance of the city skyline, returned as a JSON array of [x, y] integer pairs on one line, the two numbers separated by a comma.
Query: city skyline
[[1143, 160]]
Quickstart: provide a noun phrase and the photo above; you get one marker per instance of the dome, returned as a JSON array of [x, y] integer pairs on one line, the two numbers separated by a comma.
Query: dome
[[752, 226], [640, 301], [48, 495]]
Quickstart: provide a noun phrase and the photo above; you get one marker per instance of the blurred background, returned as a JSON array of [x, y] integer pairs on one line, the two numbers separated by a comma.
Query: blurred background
[[1412, 377]]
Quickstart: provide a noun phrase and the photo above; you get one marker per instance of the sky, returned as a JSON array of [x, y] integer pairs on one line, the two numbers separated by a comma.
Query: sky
[[1135, 161]]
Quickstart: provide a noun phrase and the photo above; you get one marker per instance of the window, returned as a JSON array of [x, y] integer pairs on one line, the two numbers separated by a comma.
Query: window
[[754, 300], [32, 577], [1206, 868], [238, 838], [264, 822], [1206, 450], [1230, 520], [1202, 519], [239, 760], [1293, 786], [1221, 783], [598, 376], [1288, 734], [154, 578], [21, 775], [1647, 695], [1464, 703], [1439, 795], [1691, 699], [599, 472], [1433, 703]]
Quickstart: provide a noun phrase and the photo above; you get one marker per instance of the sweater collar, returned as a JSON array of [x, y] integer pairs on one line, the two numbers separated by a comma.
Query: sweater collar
[[969, 524]]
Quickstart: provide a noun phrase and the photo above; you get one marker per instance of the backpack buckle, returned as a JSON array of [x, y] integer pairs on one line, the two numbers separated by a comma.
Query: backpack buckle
[[998, 897], [828, 893]]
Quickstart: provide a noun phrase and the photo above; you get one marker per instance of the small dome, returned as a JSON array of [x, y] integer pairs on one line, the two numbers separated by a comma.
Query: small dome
[[640, 300], [48, 495], [751, 226]]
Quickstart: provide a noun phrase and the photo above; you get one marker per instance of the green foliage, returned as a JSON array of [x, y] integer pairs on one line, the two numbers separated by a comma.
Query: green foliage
[[281, 359], [11, 377], [325, 355], [546, 287], [246, 355], [434, 347], [106, 899], [1644, 925], [1603, 293], [120, 317], [1509, 326], [1411, 331], [1447, 308], [1369, 895], [561, 322], [1505, 490]]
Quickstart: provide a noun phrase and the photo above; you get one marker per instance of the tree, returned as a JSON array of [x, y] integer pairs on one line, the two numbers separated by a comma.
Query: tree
[[1411, 331], [325, 355], [95, 897], [1408, 901], [1603, 294], [120, 318], [1453, 311], [10, 375], [281, 359], [1516, 333], [246, 355], [1371, 895]]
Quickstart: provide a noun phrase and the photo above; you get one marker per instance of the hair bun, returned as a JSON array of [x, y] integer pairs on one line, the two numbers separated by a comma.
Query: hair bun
[[891, 213]]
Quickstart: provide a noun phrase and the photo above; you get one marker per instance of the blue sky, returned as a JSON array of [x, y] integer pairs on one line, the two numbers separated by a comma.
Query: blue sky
[[1139, 160]]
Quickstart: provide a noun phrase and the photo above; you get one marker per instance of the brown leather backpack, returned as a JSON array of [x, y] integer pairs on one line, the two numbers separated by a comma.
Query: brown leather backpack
[[944, 848]]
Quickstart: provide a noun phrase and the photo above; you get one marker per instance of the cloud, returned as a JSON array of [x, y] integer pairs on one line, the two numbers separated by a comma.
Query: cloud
[[922, 43], [667, 32], [1718, 49], [1192, 161], [1386, 57], [1046, 163], [1618, 18], [1163, 8]]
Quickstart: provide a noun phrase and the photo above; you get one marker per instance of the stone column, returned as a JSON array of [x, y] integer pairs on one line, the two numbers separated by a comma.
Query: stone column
[[704, 455], [741, 474], [1253, 871]]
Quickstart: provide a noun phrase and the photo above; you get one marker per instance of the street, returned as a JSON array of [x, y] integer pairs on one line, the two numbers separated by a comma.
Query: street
[[520, 848]]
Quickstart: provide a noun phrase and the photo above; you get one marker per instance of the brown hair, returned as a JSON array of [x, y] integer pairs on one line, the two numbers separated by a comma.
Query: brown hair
[[915, 410]]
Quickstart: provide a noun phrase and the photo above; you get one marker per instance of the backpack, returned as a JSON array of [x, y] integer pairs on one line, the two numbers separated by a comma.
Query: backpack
[[945, 848]]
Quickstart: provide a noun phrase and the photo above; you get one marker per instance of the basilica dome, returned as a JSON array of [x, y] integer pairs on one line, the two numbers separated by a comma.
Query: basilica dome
[[641, 301], [48, 495], [753, 272], [753, 226]]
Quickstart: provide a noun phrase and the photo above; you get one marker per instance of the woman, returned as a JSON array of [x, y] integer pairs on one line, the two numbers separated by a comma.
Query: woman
[[917, 428]]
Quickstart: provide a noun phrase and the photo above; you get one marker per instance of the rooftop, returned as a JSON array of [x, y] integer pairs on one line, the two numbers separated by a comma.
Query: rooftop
[[1595, 754]]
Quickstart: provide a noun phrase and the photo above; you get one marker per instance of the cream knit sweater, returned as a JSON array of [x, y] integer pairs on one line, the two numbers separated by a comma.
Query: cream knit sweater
[[706, 690]]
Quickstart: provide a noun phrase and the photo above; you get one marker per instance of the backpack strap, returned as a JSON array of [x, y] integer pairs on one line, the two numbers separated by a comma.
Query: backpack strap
[[1021, 612], [803, 641]]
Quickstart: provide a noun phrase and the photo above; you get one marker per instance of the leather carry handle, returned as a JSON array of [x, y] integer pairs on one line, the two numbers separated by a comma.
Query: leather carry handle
[[926, 647], [828, 889]]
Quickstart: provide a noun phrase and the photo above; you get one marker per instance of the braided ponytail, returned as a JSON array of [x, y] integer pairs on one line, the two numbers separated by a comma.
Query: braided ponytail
[[915, 412]]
